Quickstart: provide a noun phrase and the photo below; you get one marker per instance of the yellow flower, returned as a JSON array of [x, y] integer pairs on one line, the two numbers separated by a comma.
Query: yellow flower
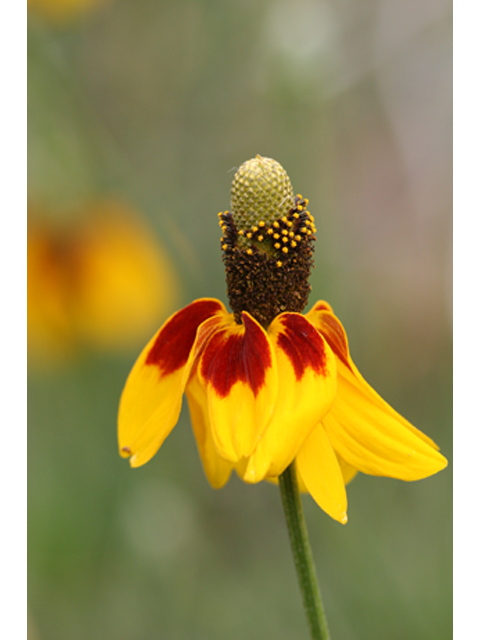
[[102, 282], [260, 399], [266, 387]]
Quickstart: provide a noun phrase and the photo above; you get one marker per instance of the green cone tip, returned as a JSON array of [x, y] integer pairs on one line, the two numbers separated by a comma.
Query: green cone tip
[[261, 191]]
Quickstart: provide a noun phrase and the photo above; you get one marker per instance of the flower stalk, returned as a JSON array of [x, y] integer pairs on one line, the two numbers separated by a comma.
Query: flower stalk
[[302, 554]]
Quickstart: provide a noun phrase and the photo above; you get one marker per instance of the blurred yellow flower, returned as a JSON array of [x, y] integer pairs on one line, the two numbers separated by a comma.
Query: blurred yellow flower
[[104, 282], [63, 10]]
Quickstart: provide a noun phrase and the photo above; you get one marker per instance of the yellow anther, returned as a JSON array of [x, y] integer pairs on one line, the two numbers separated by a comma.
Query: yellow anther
[[241, 232], [270, 231], [289, 223], [299, 196], [295, 215], [284, 232], [303, 230], [249, 235], [276, 225], [309, 233], [284, 219], [277, 245], [276, 236], [254, 229], [249, 251], [261, 223], [284, 239], [306, 202], [279, 264], [285, 250], [293, 244], [291, 234], [260, 238], [224, 247], [298, 238]]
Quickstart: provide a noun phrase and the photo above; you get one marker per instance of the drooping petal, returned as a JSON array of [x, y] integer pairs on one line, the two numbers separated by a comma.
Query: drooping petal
[[319, 468], [373, 438], [306, 391], [216, 468], [323, 318], [364, 429], [152, 397], [237, 368]]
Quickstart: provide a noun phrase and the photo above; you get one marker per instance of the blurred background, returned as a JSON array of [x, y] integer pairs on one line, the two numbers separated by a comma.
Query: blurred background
[[139, 113]]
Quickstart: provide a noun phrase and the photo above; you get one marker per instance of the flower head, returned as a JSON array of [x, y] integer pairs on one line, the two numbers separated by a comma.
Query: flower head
[[266, 385]]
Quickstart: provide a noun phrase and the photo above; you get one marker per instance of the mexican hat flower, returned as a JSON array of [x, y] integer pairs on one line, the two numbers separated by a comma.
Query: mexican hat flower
[[268, 386]]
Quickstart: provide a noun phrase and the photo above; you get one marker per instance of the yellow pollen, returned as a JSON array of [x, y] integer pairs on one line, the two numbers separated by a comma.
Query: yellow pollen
[[224, 247], [249, 235], [276, 236], [309, 233], [285, 250], [261, 223], [299, 196], [291, 234], [249, 252], [279, 264], [270, 231], [241, 232], [277, 245], [306, 202], [289, 223], [293, 244], [260, 238], [303, 230], [284, 232], [284, 239], [295, 215], [254, 229], [276, 225], [298, 238]]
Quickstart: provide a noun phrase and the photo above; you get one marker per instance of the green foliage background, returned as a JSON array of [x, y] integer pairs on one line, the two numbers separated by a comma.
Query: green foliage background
[[157, 102]]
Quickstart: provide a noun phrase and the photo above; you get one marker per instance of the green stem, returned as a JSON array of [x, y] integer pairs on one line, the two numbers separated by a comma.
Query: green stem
[[302, 554]]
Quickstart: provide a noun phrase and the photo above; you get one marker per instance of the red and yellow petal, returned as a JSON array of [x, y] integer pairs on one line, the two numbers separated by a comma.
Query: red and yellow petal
[[216, 468], [364, 429], [373, 438], [238, 371], [318, 466], [152, 397], [324, 320], [306, 391]]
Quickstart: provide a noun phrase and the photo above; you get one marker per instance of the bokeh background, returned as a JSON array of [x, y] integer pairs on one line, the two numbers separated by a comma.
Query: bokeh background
[[139, 111]]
